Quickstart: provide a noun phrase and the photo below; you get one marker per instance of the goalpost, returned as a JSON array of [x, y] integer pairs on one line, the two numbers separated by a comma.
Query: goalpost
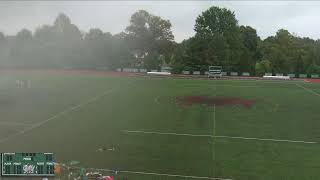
[[215, 71]]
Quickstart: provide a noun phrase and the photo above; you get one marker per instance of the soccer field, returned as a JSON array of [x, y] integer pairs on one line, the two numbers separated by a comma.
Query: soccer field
[[136, 126]]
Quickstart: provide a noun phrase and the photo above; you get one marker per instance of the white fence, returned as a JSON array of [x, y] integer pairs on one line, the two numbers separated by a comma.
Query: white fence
[[196, 72], [246, 74], [185, 72], [292, 75], [234, 73], [277, 77], [143, 70], [302, 75]]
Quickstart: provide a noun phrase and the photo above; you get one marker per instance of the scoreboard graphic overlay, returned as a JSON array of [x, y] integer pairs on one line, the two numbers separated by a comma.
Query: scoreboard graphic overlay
[[27, 164]]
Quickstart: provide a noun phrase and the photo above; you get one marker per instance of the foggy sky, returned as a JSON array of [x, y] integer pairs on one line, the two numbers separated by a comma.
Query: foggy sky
[[300, 18]]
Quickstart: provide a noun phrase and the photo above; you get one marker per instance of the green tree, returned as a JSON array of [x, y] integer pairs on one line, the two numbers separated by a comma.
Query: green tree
[[21, 49], [2, 37], [219, 32], [263, 67], [3, 50], [286, 52], [149, 35], [97, 48], [69, 39], [65, 29], [121, 55], [24, 35], [250, 54]]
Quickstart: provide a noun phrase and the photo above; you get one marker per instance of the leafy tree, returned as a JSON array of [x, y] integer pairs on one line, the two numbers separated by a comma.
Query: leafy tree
[[263, 67], [218, 30], [24, 35], [121, 55], [3, 50], [250, 54], [286, 52], [65, 29], [148, 41], [149, 35], [2, 37], [21, 48], [217, 21], [97, 47]]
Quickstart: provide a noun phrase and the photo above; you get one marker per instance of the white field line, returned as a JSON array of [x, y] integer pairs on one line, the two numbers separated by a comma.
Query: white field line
[[261, 80], [223, 85], [167, 133], [157, 174], [214, 120], [68, 110], [309, 90], [266, 139], [228, 137], [175, 175], [241, 86], [213, 139], [265, 81]]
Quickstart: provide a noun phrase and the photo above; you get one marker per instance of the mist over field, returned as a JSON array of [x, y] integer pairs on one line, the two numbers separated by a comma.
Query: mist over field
[[152, 35]]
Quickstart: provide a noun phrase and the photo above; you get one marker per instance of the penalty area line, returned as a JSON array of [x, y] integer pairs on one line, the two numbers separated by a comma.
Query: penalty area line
[[225, 137]]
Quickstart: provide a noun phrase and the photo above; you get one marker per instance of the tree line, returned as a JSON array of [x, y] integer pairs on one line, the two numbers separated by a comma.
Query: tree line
[[148, 42]]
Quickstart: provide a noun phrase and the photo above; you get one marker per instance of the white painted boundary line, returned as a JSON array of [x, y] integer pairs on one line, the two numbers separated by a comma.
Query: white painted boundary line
[[213, 139], [224, 85], [259, 80], [309, 90], [167, 133], [157, 174], [229, 137], [214, 120], [68, 110], [266, 139], [175, 175], [241, 86]]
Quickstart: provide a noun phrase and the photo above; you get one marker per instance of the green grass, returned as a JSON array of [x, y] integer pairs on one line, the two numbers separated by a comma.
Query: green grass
[[282, 111]]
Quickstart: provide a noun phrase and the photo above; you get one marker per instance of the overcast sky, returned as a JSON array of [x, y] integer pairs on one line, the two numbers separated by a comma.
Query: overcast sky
[[301, 18]]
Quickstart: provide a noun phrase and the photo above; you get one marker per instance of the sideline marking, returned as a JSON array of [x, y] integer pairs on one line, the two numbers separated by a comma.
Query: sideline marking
[[309, 90], [167, 133], [213, 139], [223, 85], [266, 139], [229, 137], [214, 120]]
